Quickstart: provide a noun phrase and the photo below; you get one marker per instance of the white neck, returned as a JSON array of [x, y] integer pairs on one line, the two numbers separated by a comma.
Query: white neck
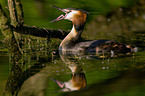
[[69, 40]]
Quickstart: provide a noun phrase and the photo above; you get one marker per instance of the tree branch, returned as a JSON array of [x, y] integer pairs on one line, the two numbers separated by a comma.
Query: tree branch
[[41, 32], [16, 15], [5, 24], [19, 11], [7, 31], [12, 10]]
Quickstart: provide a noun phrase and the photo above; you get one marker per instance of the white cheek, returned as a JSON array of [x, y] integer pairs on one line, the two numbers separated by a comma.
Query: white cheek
[[71, 15]]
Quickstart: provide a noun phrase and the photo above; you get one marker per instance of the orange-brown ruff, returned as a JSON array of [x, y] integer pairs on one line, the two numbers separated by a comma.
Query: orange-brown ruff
[[71, 41], [79, 19]]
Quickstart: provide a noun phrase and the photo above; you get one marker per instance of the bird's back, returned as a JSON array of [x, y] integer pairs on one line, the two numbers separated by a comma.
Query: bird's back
[[101, 46]]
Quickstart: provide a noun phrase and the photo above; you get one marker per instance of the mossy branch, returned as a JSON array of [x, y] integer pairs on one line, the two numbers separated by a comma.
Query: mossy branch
[[12, 10], [5, 24], [7, 31], [19, 11]]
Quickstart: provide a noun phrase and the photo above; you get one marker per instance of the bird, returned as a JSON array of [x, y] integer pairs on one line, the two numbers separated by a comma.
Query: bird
[[71, 43]]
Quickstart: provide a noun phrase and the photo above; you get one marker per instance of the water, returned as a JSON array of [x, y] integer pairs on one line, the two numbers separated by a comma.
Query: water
[[4, 71], [100, 76], [41, 73]]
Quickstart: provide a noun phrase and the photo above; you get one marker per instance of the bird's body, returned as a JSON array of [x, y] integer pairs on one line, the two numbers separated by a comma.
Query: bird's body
[[71, 41]]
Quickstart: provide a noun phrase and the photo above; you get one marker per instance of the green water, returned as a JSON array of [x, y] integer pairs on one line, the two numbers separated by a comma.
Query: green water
[[34, 75], [104, 77], [4, 71]]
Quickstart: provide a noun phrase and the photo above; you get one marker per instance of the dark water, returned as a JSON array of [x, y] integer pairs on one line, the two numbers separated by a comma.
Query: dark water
[[81, 75], [40, 73]]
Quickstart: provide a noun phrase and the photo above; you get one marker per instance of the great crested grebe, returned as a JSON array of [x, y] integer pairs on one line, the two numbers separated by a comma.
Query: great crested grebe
[[71, 41]]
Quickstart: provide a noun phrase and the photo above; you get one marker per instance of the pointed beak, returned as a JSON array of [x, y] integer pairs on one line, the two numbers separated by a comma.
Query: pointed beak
[[60, 84], [59, 8], [61, 16]]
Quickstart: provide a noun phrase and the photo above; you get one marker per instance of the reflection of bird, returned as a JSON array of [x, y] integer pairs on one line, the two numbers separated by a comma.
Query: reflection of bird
[[77, 81], [71, 43]]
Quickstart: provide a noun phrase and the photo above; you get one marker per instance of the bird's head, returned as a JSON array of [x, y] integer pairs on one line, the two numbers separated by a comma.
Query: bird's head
[[73, 14]]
